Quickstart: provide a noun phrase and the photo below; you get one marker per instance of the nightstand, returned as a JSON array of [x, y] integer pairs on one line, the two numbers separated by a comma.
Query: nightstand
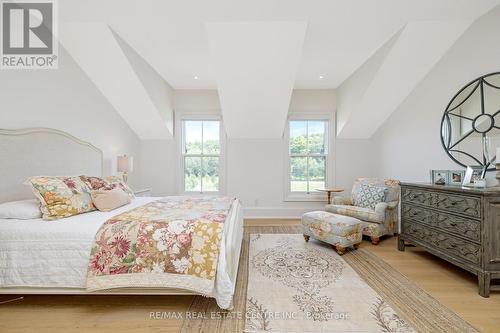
[[146, 192]]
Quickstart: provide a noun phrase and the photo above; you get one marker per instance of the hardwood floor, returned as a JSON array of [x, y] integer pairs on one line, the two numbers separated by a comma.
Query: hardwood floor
[[450, 285]]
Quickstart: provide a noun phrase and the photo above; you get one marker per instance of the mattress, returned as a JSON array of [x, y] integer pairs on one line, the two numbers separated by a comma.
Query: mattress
[[55, 254]]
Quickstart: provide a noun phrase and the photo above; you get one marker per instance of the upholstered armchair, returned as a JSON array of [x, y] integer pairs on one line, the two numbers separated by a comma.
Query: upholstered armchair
[[374, 202]]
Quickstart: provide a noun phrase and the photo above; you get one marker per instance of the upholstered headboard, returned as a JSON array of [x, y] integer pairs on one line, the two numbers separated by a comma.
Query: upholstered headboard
[[42, 152]]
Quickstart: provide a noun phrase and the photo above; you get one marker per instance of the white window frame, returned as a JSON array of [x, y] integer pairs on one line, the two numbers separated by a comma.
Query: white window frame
[[315, 196], [182, 117]]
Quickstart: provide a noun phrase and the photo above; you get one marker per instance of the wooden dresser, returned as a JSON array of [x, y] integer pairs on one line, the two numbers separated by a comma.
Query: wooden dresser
[[459, 225]]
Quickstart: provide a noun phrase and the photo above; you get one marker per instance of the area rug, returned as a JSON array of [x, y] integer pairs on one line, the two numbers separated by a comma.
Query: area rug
[[411, 304], [294, 286]]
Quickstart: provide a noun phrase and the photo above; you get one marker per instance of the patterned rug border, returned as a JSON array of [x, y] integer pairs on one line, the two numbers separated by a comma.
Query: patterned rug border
[[422, 311]]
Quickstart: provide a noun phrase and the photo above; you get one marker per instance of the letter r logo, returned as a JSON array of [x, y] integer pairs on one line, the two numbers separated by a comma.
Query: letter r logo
[[27, 27]]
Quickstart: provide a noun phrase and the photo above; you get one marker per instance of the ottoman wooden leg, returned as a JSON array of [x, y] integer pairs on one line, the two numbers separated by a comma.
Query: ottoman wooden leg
[[375, 240], [306, 238], [340, 249], [356, 246]]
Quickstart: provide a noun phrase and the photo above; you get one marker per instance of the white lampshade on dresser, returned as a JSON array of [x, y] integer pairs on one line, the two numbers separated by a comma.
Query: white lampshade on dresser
[[125, 164]]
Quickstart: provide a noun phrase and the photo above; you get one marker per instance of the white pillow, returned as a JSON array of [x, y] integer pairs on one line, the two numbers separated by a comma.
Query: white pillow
[[22, 210]]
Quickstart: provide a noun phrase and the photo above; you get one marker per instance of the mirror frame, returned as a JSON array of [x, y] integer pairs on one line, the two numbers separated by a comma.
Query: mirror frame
[[485, 165]]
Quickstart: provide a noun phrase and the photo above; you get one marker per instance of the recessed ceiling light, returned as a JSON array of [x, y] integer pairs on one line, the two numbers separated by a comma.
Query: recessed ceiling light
[[321, 77], [196, 77]]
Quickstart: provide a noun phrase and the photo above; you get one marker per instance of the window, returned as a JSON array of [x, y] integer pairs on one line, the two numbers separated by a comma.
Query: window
[[307, 155], [201, 155]]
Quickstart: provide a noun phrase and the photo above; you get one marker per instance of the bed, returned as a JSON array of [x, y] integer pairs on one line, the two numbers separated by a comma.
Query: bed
[[51, 257]]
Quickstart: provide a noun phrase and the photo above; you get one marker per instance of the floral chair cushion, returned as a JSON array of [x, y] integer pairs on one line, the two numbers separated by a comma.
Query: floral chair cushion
[[374, 229], [362, 213], [61, 196]]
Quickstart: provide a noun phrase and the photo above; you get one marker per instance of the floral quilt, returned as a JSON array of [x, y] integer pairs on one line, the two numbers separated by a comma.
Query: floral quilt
[[173, 242]]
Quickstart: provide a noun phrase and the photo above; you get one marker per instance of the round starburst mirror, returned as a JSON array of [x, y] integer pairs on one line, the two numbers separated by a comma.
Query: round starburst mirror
[[470, 128]]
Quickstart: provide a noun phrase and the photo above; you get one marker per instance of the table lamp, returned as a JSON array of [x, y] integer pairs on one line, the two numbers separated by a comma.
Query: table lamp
[[125, 164]]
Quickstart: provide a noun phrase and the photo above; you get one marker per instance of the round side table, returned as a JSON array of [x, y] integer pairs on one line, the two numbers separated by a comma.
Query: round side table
[[329, 192]]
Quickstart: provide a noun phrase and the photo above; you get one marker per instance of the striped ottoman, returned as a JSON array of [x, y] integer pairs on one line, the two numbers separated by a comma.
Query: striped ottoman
[[338, 230]]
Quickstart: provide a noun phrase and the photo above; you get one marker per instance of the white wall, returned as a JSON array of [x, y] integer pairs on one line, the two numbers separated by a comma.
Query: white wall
[[159, 158], [408, 144], [158, 167], [67, 100], [202, 101], [354, 158], [255, 167]]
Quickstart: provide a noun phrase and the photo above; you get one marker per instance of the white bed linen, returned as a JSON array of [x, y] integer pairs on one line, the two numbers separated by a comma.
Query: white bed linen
[[55, 254]]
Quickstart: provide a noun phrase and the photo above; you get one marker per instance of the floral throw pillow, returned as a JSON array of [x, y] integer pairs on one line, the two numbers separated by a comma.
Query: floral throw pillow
[[369, 196], [117, 181], [95, 183], [61, 196], [108, 183]]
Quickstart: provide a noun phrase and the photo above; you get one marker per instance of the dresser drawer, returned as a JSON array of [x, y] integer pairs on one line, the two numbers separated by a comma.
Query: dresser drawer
[[416, 213], [448, 244], [464, 227], [470, 206], [416, 196]]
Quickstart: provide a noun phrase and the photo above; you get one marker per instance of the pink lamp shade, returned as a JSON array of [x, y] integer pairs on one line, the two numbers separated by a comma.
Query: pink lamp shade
[[125, 163]]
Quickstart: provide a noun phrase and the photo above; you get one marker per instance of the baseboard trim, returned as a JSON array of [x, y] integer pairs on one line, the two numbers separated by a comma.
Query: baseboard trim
[[272, 222], [264, 217], [276, 212]]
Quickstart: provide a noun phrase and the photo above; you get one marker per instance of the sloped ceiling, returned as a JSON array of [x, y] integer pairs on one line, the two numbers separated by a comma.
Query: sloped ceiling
[[255, 65], [160, 92], [97, 52], [409, 57], [184, 43], [341, 35], [352, 90]]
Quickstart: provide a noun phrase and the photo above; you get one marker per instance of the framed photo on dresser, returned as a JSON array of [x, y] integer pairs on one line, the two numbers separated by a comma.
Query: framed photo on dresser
[[439, 177], [456, 177], [448, 177]]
